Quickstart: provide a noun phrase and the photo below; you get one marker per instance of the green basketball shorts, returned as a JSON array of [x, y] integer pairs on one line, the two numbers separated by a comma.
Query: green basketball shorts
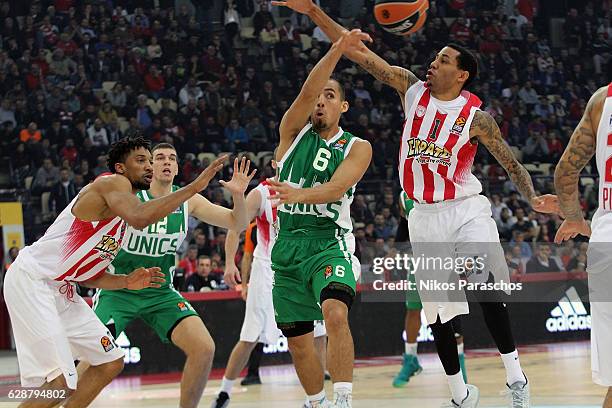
[[413, 300], [162, 312], [306, 263]]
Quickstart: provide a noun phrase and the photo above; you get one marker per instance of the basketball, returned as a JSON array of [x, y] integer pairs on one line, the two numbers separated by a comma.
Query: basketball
[[401, 17]]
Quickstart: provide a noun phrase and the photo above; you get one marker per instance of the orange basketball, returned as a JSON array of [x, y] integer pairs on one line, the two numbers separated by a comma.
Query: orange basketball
[[401, 17]]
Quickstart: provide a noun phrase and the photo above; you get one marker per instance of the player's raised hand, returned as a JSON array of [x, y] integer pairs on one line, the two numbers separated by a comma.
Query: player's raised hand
[[145, 278], [352, 41], [231, 276], [241, 177], [283, 193], [570, 229], [201, 182], [547, 203], [301, 6]]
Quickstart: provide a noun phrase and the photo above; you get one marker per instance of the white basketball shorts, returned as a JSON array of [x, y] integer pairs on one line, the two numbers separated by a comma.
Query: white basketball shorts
[[259, 324], [453, 230], [51, 331]]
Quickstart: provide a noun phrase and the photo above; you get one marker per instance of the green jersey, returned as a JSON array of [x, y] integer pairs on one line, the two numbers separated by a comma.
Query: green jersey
[[309, 162], [406, 203], [155, 245]]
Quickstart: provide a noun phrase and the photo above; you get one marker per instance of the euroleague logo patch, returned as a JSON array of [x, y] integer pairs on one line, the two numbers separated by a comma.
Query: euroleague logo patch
[[328, 271], [182, 306], [107, 343], [459, 125]]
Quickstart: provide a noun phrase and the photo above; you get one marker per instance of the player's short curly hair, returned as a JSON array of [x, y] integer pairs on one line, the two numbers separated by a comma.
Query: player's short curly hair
[[120, 150]]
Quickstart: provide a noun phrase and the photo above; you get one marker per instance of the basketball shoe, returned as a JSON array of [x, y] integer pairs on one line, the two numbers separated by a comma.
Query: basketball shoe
[[343, 400], [518, 394], [410, 367], [471, 401], [222, 400]]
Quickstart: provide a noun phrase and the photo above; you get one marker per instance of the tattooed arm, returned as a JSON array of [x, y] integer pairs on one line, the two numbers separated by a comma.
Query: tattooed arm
[[486, 130], [398, 78], [579, 151]]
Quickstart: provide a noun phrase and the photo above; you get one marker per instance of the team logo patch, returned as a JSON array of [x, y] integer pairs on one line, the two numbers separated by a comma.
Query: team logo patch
[[108, 246], [459, 124], [107, 343], [182, 306], [420, 111], [328, 271], [428, 152]]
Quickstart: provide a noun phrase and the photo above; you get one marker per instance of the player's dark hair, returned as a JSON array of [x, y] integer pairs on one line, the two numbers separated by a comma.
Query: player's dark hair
[[163, 146], [120, 150], [204, 257], [466, 61], [341, 89]]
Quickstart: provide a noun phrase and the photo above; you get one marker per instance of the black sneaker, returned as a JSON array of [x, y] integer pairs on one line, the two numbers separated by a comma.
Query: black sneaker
[[327, 376], [251, 380], [222, 400]]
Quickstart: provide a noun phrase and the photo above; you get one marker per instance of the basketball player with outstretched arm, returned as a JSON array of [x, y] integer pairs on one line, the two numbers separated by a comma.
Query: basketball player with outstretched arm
[[315, 270], [163, 309], [53, 326], [442, 129], [256, 277], [593, 136]]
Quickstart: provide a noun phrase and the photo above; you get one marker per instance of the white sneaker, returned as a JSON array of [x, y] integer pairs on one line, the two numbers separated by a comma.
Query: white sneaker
[[324, 403], [518, 394], [343, 400], [471, 401]]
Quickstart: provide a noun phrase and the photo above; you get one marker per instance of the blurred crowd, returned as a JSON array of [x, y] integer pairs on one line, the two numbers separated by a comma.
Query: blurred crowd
[[76, 76]]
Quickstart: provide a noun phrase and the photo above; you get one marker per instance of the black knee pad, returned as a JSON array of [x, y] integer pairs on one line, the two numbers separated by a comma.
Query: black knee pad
[[457, 327], [295, 329], [338, 291]]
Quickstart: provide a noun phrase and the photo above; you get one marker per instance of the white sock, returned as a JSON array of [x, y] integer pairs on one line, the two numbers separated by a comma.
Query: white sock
[[460, 348], [411, 348], [317, 398], [226, 385], [514, 372], [457, 386], [343, 387]]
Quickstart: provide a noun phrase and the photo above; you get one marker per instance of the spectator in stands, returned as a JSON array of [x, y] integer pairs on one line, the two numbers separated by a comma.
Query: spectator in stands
[[381, 229], [46, 177], [98, 134], [528, 95], [191, 90], [30, 134], [154, 82], [202, 280], [62, 193], [542, 261], [519, 241], [107, 114], [190, 261], [514, 266], [236, 136], [101, 166], [536, 148], [6, 113]]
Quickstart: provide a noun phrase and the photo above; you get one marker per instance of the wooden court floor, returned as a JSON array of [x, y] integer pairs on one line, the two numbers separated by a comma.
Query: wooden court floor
[[559, 374]]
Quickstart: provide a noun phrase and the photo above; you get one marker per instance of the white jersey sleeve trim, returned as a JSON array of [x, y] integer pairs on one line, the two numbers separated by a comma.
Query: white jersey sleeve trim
[[350, 145], [294, 143]]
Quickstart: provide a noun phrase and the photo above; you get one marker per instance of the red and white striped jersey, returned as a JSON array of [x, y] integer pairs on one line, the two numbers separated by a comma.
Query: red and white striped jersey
[[436, 155], [74, 250], [266, 217], [603, 155]]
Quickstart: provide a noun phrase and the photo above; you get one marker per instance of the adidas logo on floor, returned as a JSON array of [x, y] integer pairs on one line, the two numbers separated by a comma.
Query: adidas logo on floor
[[570, 315]]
